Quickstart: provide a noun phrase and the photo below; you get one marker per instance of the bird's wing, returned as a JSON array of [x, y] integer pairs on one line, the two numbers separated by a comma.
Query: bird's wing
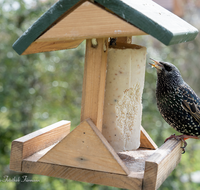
[[189, 102], [192, 109]]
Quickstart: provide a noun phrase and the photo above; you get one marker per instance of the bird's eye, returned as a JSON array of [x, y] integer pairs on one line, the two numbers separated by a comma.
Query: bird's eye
[[168, 68]]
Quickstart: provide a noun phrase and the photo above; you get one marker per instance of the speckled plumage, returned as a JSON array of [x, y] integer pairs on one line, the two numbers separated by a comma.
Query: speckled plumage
[[177, 102]]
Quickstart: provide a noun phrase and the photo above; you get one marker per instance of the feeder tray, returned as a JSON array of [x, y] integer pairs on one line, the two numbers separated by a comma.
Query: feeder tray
[[54, 151], [84, 154]]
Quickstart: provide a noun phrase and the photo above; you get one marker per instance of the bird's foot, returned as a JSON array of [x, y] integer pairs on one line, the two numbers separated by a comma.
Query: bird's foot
[[182, 138]]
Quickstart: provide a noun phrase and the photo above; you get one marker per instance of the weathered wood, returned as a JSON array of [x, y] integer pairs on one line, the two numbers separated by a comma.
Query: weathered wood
[[135, 160], [94, 82], [159, 165], [146, 141], [85, 147], [89, 21], [16, 156], [38, 140], [96, 177], [42, 46]]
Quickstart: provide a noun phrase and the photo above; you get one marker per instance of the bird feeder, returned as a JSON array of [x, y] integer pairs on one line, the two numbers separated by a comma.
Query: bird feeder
[[109, 146]]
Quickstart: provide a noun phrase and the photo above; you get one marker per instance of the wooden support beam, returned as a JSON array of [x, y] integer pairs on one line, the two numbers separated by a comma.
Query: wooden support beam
[[133, 181], [159, 165], [46, 46], [126, 40], [94, 81], [36, 141], [146, 141], [85, 147]]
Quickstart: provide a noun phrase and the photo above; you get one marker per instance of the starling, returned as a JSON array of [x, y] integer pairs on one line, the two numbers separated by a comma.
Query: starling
[[177, 102]]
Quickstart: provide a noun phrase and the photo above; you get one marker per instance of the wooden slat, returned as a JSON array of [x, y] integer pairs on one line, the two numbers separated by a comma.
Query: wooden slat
[[96, 177], [94, 82], [42, 46], [161, 164], [126, 40], [146, 141], [85, 147], [16, 156], [89, 21], [38, 140]]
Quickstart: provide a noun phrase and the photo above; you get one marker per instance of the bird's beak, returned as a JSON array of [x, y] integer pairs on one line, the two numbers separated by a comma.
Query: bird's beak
[[156, 64]]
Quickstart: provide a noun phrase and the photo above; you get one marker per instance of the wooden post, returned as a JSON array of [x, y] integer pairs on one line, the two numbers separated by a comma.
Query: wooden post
[[94, 81]]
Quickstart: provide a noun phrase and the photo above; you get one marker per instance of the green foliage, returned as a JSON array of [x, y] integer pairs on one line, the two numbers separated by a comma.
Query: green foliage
[[41, 89]]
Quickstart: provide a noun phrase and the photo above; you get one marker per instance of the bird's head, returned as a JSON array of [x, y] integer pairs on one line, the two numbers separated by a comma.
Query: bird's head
[[167, 72]]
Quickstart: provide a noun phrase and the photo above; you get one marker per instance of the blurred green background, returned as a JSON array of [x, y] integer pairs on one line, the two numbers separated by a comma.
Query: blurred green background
[[41, 89]]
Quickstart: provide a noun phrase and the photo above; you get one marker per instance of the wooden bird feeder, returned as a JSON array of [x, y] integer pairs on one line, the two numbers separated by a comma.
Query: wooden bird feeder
[[90, 153]]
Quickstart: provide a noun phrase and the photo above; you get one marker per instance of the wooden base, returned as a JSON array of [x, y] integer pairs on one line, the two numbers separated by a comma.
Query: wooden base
[[50, 151]]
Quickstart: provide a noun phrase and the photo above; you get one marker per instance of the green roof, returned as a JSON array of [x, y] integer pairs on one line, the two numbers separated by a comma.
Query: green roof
[[144, 14]]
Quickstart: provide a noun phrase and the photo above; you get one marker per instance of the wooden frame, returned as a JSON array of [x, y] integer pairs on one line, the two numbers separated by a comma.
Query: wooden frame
[[84, 154], [54, 151], [94, 81], [145, 169]]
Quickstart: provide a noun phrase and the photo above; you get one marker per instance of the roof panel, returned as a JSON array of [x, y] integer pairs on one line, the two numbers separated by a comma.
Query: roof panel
[[152, 19], [42, 24], [144, 14]]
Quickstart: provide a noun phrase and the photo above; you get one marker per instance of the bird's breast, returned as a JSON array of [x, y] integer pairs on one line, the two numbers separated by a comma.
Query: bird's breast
[[169, 104]]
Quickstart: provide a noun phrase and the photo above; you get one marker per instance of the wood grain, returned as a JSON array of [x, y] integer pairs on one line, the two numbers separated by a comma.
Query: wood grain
[[38, 140], [161, 164], [16, 156], [42, 46], [89, 21], [84, 175], [146, 141], [85, 147], [94, 81], [148, 168]]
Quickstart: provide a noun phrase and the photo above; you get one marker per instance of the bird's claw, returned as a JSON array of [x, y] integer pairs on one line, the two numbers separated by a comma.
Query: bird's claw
[[180, 137], [183, 149], [184, 144], [171, 137]]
